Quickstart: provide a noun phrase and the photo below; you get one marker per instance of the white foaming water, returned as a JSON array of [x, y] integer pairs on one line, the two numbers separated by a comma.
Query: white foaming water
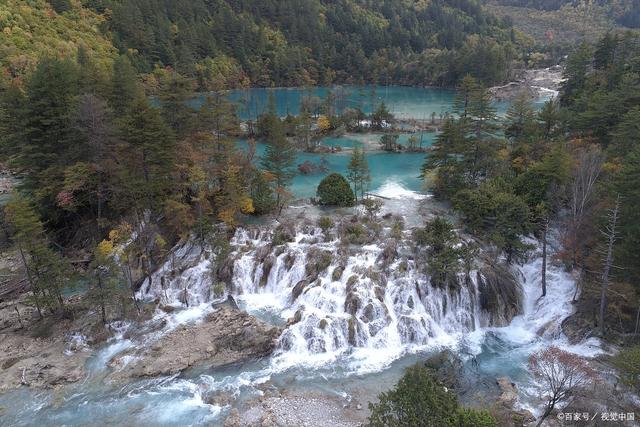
[[365, 317], [356, 322], [538, 327], [184, 279], [393, 189]]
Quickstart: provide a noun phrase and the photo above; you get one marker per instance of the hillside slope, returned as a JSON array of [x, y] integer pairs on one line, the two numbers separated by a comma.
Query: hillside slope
[[301, 42], [624, 13], [32, 29]]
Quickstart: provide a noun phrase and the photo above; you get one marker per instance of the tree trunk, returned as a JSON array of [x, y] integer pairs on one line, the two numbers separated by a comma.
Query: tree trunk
[[15, 307], [544, 258], [30, 279], [102, 303], [610, 234]]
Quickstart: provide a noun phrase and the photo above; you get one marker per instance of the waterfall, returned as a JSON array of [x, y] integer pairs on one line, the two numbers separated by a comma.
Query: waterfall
[[185, 278], [337, 301]]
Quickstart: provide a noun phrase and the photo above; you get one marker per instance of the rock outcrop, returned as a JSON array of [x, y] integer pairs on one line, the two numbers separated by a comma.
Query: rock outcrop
[[226, 337], [500, 294]]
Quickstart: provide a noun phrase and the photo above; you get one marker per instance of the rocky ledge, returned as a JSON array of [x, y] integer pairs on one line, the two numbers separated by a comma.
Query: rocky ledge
[[225, 337], [38, 353], [533, 83]]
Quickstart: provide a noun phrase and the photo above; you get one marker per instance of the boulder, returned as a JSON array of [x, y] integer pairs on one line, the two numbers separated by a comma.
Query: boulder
[[298, 289], [500, 294], [226, 336], [508, 392]]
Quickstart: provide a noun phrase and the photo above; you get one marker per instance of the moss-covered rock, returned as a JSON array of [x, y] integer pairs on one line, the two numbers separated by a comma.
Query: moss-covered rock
[[500, 293]]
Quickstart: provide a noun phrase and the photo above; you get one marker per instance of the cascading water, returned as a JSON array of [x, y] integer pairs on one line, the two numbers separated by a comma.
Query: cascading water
[[345, 311], [356, 304]]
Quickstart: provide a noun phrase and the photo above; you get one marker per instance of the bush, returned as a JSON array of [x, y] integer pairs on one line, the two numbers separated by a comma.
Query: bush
[[325, 223], [419, 400], [355, 234], [334, 190]]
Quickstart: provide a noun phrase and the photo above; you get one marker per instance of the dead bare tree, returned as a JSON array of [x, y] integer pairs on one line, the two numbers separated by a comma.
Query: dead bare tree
[[611, 235], [545, 230], [587, 169], [561, 373]]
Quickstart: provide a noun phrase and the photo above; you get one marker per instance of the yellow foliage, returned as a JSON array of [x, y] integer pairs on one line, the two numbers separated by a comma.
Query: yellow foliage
[[105, 249], [32, 30], [246, 205], [323, 123]]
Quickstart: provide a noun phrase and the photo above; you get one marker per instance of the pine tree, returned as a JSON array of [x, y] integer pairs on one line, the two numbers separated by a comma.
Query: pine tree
[[462, 102], [124, 86], [520, 118], [358, 172], [45, 141], [626, 184], [549, 117], [279, 160], [45, 269], [152, 146], [174, 96]]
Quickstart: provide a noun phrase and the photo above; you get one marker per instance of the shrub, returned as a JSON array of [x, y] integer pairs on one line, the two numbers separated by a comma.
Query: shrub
[[355, 234], [334, 190], [419, 400], [325, 223], [218, 289], [372, 207]]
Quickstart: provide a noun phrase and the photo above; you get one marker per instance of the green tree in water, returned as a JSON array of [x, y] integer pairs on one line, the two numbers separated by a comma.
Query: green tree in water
[[358, 172], [279, 159], [381, 117]]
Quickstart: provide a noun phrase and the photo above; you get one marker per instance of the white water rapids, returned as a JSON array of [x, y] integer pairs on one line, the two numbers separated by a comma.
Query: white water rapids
[[354, 315]]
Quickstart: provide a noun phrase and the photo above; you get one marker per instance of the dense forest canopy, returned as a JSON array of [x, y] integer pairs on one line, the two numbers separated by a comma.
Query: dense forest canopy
[[303, 42], [33, 29], [625, 12]]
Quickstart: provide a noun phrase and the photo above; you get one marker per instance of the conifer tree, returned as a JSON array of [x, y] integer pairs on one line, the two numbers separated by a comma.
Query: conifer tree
[[279, 160], [358, 172], [45, 269]]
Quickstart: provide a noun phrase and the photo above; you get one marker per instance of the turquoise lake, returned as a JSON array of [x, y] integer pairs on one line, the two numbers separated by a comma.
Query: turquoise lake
[[400, 170], [388, 170]]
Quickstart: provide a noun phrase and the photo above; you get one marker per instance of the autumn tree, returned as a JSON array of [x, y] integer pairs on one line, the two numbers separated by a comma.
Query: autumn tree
[[233, 197], [562, 375], [106, 290]]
